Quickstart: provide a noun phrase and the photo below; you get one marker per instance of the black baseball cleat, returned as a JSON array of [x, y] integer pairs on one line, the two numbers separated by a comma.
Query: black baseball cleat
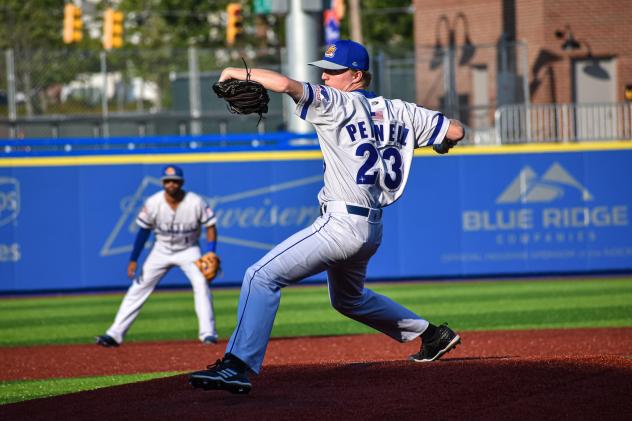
[[444, 340], [106, 341], [226, 374]]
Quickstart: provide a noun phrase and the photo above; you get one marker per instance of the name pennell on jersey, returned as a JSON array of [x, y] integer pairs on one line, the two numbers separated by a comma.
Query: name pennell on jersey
[[396, 132]]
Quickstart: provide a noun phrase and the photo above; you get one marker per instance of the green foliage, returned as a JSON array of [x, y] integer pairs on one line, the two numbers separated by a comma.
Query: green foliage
[[31, 24], [33, 30], [385, 24], [156, 37], [175, 23]]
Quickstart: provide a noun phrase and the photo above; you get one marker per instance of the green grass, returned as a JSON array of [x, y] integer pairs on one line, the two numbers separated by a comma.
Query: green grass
[[169, 315], [22, 390]]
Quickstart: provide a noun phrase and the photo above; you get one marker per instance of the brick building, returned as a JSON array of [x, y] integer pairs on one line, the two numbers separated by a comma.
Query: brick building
[[596, 66]]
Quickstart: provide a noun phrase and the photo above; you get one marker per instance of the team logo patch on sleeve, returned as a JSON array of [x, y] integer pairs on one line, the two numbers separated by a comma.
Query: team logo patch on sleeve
[[322, 92]]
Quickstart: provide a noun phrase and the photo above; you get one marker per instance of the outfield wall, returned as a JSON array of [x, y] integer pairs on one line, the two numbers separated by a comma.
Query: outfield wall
[[67, 222]]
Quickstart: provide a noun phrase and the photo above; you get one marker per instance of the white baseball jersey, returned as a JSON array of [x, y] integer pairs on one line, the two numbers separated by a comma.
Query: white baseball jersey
[[179, 229], [177, 232], [367, 143]]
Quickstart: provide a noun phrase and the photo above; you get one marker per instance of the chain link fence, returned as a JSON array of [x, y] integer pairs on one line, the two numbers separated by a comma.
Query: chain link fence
[[72, 93]]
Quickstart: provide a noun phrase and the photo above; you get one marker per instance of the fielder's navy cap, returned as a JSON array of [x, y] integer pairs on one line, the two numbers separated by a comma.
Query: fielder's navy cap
[[172, 172], [344, 54]]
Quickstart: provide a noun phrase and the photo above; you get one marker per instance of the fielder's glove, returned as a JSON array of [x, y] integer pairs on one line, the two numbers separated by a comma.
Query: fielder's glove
[[209, 265], [444, 146], [243, 96]]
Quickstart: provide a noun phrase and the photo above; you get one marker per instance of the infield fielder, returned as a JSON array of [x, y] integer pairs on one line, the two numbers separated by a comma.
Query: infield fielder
[[177, 217]]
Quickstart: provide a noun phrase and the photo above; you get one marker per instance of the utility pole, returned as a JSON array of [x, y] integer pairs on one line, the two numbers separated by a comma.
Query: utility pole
[[303, 26], [355, 21], [195, 94]]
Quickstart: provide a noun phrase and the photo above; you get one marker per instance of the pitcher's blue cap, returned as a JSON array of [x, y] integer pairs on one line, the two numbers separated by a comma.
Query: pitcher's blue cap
[[172, 172], [344, 54]]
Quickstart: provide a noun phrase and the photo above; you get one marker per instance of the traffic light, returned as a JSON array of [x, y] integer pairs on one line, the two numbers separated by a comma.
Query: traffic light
[[234, 22], [112, 29], [73, 25]]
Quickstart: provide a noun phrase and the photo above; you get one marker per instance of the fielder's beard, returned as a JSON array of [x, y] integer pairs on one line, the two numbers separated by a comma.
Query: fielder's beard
[[176, 194]]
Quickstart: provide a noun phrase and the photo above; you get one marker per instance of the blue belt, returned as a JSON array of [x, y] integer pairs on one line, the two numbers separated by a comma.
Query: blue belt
[[357, 210], [352, 209]]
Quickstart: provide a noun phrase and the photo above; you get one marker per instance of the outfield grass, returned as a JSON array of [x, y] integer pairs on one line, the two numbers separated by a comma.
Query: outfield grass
[[305, 311]]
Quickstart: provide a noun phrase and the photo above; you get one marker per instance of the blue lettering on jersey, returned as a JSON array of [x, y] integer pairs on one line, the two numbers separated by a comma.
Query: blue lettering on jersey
[[403, 134], [379, 132], [363, 134], [398, 133], [391, 131], [352, 130]]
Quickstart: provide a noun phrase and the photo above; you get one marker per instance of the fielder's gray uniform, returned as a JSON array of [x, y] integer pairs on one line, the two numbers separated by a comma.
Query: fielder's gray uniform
[[177, 233], [367, 144]]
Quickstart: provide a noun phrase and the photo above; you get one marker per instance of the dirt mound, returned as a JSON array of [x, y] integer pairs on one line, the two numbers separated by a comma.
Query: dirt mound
[[454, 388], [548, 374]]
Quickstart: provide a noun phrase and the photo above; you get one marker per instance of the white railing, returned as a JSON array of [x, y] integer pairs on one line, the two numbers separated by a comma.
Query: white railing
[[538, 123]]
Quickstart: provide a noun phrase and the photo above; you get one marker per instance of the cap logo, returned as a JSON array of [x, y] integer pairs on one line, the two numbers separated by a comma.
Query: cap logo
[[170, 171], [331, 50]]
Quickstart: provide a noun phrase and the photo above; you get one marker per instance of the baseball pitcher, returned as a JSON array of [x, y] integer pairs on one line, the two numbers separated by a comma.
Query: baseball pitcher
[[367, 143]]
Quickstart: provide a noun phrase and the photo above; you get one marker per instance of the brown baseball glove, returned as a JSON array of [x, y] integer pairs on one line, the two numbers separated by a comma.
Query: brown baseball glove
[[243, 96], [209, 265]]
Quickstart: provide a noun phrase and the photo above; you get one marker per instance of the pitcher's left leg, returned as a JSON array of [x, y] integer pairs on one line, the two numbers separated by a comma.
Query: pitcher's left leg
[[306, 253], [349, 296]]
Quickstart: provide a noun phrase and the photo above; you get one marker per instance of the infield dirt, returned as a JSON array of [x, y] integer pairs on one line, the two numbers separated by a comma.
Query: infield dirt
[[547, 374]]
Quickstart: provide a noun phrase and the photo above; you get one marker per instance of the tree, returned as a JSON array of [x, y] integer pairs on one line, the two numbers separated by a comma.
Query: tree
[[177, 23], [33, 30], [385, 24], [31, 24]]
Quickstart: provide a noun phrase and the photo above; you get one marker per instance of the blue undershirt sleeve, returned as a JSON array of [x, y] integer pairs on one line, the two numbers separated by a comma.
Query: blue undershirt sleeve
[[139, 243]]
